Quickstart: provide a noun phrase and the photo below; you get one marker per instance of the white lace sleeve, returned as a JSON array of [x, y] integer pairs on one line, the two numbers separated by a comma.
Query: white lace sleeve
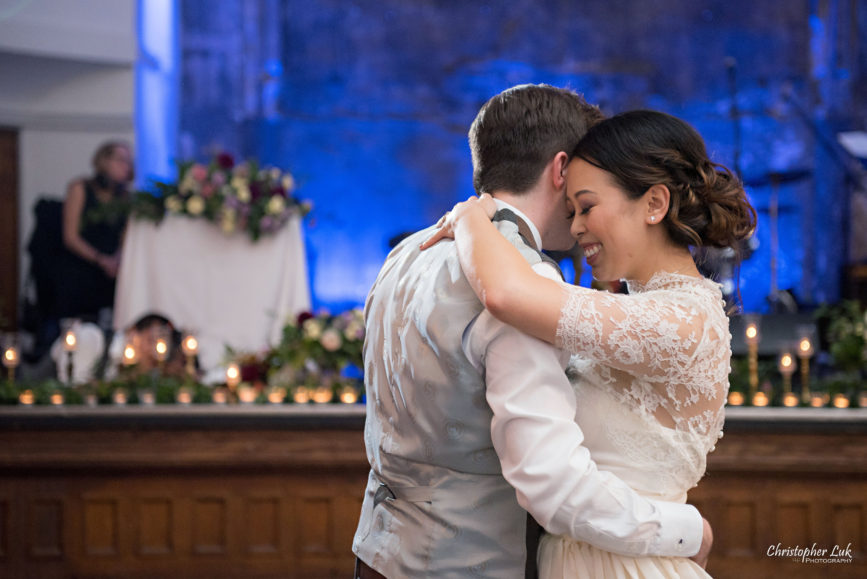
[[665, 353]]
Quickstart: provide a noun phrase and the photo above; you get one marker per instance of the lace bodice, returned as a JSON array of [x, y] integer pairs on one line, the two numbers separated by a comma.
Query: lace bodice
[[654, 365]]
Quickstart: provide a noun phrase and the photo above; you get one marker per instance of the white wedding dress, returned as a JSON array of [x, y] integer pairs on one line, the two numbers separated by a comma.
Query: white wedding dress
[[650, 370]]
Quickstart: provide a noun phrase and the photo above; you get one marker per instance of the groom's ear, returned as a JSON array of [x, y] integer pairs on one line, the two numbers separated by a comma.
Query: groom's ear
[[658, 198], [558, 170]]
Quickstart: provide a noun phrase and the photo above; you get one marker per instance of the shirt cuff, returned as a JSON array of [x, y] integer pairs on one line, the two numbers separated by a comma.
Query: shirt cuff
[[681, 531]]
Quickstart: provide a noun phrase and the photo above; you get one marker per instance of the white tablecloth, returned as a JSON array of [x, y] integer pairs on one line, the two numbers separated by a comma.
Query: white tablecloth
[[226, 289]]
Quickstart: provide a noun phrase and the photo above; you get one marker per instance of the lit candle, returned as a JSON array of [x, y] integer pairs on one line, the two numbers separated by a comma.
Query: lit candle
[[760, 399], [786, 366], [161, 349], [736, 399], [322, 394], [11, 358], [26, 398], [790, 399], [70, 344], [190, 346], [246, 394], [276, 395], [805, 352], [130, 354], [752, 336], [233, 375], [147, 397], [841, 401], [349, 394], [818, 400], [219, 396], [301, 394], [119, 397], [70, 340], [184, 396], [57, 398]]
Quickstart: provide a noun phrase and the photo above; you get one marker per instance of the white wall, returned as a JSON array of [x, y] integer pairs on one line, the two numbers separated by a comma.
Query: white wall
[[67, 83]]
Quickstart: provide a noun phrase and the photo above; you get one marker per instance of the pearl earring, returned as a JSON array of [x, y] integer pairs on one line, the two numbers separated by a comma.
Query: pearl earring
[[653, 219]]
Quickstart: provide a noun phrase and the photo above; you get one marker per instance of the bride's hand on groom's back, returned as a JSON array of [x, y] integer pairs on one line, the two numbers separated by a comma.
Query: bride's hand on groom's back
[[447, 223]]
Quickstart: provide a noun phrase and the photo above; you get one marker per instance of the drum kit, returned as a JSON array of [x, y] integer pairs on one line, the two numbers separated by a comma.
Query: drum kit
[[779, 301], [721, 263]]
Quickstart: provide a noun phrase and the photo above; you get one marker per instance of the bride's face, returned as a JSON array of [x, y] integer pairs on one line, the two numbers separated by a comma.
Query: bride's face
[[608, 225]]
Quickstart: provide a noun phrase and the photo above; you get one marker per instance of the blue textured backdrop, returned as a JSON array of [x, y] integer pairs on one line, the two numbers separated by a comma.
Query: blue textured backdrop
[[368, 103]]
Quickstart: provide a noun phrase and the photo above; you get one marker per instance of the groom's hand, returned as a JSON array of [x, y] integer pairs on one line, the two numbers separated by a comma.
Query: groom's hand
[[706, 544]]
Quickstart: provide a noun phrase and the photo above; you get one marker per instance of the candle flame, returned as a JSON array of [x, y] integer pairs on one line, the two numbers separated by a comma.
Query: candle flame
[[129, 353], [805, 345], [191, 344], [71, 340], [162, 347], [786, 360], [752, 332]]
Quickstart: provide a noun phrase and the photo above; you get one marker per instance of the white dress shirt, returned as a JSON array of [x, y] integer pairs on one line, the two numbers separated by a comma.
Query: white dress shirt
[[540, 448]]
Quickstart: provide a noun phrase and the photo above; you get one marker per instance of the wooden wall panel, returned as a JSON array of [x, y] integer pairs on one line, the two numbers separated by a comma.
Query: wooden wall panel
[[155, 536], [46, 528], [4, 529], [120, 503], [101, 532]]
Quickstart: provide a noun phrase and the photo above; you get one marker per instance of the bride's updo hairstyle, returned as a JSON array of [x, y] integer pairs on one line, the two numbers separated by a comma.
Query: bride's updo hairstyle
[[708, 205]]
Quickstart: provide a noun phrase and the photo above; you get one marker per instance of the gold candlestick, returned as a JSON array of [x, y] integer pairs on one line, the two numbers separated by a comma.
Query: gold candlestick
[[805, 352], [190, 346], [752, 336], [11, 356], [786, 366], [70, 344]]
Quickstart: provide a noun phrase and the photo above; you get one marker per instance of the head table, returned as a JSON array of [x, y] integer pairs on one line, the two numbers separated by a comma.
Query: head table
[[226, 289]]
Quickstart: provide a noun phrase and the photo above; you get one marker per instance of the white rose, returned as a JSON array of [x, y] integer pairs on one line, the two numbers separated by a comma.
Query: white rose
[[174, 204], [242, 189], [189, 185], [331, 340], [275, 206], [195, 205], [228, 221], [312, 329], [354, 331], [288, 182]]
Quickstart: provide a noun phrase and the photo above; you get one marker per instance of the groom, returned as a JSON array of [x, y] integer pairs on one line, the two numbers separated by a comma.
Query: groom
[[468, 419]]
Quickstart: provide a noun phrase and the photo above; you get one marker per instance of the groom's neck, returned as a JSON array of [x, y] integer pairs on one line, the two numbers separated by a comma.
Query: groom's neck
[[528, 203]]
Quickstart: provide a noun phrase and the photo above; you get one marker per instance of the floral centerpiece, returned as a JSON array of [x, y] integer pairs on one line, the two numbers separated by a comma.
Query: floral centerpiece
[[330, 342], [237, 197]]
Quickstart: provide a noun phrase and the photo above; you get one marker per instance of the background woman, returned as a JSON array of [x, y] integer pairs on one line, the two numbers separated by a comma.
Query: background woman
[[92, 233], [650, 368]]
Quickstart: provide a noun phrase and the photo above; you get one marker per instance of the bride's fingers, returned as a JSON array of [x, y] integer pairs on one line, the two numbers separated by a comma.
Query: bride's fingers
[[441, 233]]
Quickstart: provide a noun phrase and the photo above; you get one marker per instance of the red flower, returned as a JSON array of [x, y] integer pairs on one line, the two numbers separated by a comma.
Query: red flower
[[225, 161], [303, 317]]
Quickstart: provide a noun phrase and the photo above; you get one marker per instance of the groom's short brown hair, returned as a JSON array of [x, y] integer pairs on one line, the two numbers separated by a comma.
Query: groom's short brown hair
[[518, 131]]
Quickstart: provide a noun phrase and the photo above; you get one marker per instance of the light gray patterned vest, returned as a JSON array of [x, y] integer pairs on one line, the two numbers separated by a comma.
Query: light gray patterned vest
[[447, 511]]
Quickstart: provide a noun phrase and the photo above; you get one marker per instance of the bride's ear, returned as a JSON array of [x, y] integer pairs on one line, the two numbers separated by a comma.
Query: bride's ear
[[658, 198]]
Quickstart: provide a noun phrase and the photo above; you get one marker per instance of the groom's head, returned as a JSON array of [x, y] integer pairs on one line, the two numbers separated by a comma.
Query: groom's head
[[519, 131]]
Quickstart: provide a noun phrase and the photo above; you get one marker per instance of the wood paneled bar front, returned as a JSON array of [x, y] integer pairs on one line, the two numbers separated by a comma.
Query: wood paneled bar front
[[275, 491]]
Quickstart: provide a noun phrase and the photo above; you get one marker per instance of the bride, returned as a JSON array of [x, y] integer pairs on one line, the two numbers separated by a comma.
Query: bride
[[650, 368]]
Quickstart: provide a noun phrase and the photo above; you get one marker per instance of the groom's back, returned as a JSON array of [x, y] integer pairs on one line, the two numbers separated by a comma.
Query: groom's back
[[428, 430]]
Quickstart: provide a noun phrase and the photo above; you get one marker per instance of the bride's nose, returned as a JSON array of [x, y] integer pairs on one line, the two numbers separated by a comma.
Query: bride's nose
[[577, 228]]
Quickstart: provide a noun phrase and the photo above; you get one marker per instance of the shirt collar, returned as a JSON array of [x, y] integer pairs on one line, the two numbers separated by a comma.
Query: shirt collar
[[533, 229]]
